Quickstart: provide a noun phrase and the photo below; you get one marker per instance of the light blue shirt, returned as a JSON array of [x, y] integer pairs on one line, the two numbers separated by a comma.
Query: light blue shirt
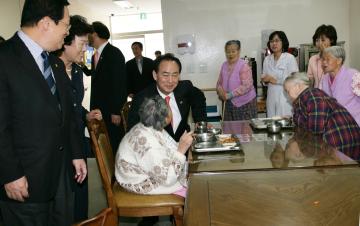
[[35, 50]]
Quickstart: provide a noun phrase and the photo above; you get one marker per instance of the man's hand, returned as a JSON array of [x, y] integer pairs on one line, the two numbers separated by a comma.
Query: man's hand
[[116, 119], [17, 189], [80, 170], [94, 114]]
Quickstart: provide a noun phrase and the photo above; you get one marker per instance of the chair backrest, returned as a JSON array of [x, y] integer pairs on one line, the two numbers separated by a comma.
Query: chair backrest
[[104, 157], [124, 114], [106, 217]]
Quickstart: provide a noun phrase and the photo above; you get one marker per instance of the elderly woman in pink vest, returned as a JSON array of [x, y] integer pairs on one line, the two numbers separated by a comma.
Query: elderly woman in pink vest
[[340, 82], [235, 85]]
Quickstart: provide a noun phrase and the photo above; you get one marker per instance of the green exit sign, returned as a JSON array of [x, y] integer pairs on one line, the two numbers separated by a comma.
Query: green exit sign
[[143, 16]]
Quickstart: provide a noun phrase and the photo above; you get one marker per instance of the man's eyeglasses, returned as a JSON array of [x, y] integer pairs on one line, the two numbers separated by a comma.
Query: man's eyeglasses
[[68, 26]]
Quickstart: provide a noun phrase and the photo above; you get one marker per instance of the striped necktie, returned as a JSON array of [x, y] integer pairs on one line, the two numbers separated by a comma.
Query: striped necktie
[[47, 73]]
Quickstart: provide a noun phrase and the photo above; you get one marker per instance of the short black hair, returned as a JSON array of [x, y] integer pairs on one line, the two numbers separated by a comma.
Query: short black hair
[[138, 44], [166, 57], [157, 52], [328, 31], [35, 10], [282, 37], [79, 27], [101, 30]]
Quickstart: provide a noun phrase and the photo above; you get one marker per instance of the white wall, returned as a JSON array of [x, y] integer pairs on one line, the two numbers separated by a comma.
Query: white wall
[[10, 14], [354, 34], [214, 22]]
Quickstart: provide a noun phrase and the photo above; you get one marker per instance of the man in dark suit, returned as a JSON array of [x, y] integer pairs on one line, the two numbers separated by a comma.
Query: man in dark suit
[[39, 143], [180, 95], [139, 70], [108, 81]]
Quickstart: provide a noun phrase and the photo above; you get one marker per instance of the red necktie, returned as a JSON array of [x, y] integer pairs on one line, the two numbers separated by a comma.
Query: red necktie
[[96, 58], [167, 99]]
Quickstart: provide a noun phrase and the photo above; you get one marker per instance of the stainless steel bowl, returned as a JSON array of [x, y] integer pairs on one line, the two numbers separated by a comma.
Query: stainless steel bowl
[[201, 127], [205, 137], [273, 127], [284, 122], [215, 131]]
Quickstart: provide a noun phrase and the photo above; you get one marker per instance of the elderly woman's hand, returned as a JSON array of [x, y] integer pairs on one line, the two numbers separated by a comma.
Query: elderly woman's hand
[[185, 141]]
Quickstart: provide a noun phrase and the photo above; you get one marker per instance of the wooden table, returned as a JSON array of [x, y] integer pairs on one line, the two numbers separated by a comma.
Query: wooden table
[[326, 196], [290, 179]]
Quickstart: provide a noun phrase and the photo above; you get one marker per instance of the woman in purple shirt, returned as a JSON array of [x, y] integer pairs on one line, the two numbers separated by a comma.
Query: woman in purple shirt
[[235, 85], [338, 79]]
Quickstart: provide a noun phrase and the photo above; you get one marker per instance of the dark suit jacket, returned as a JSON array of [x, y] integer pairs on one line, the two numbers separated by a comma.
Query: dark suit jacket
[[108, 82], [136, 81], [36, 138], [187, 97]]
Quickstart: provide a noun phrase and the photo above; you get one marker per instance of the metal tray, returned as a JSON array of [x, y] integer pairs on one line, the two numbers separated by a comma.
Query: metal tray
[[260, 123], [216, 146]]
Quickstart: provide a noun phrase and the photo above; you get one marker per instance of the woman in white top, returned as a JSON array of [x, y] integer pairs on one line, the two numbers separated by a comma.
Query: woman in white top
[[276, 68], [148, 160]]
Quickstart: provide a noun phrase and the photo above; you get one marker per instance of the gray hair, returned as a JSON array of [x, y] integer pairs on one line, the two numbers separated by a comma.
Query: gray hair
[[298, 78], [233, 42], [153, 112], [336, 51]]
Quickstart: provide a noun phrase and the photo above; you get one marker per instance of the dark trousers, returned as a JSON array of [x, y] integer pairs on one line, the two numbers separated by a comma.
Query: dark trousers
[[81, 202], [116, 133], [56, 212]]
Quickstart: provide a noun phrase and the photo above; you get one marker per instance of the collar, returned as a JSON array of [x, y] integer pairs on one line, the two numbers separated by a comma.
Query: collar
[[101, 47], [172, 96], [34, 48]]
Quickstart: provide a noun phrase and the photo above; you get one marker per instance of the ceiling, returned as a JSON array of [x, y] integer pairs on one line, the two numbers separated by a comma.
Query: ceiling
[[107, 7]]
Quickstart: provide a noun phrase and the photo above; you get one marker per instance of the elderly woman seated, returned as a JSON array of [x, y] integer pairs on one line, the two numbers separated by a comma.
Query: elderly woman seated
[[148, 160], [321, 114], [338, 79]]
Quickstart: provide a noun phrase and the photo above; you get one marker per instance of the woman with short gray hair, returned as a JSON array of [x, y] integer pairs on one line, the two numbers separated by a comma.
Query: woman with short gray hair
[[148, 160], [338, 79]]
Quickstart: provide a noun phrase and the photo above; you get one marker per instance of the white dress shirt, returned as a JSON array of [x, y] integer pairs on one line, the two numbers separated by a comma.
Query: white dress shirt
[[176, 116]]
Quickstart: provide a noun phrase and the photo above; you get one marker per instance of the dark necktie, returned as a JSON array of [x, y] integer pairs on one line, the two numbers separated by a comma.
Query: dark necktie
[[47, 73]]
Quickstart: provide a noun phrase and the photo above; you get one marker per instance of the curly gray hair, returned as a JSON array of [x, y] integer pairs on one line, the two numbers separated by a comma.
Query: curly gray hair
[[153, 112]]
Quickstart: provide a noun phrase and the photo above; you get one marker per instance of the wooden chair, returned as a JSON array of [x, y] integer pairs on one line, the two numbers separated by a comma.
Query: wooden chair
[[122, 202], [124, 114], [106, 217]]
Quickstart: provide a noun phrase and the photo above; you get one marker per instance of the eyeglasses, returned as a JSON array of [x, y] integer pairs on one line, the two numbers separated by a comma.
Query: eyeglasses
[[275, 40], [68, 26]]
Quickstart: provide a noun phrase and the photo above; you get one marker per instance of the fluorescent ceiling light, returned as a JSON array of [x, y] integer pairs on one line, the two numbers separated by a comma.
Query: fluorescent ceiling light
[[124, 4]]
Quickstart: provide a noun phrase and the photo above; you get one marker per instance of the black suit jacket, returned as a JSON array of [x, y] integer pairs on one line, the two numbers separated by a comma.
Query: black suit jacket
[[136, 81], [108, 82], [36, 137], [187, 97]]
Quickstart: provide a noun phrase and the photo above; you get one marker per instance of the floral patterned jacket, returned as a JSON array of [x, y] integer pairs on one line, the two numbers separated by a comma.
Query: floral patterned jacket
[[147, 162]]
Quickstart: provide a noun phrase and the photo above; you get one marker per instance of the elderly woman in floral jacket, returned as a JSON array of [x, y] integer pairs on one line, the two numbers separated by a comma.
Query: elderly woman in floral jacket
[[149, 161]]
